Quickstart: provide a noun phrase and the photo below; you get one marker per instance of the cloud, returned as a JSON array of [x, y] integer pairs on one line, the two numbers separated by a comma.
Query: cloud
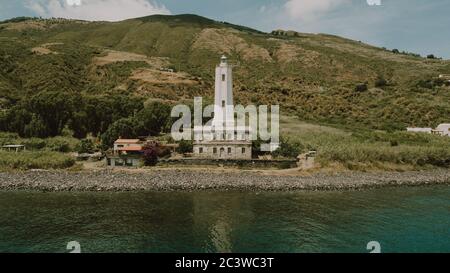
[[96, 10], [309, 10]]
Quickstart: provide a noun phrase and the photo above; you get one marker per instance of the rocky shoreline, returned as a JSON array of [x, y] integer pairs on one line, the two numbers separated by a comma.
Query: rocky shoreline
[[192, 180]]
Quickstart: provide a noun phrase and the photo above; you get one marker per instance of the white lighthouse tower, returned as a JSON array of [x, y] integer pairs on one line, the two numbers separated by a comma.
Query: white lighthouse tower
[[223, 102], [225, 141]]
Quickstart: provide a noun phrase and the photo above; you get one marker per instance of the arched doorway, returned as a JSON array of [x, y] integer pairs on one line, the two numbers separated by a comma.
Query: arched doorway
[[222, 152]]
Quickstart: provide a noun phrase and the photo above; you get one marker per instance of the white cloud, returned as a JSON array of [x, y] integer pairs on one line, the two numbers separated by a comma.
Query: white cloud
[[96, 10], [308, 10]]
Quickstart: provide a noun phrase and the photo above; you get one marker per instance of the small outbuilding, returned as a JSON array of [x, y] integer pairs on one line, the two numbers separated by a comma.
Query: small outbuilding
[[14, 148], [441, 130], [307, 160]]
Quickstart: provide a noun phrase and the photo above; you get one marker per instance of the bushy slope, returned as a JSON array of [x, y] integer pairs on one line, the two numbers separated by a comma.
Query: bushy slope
[[311, 76]]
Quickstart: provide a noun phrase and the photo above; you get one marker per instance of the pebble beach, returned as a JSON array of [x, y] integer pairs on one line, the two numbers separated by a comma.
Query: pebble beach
[[194, 180]]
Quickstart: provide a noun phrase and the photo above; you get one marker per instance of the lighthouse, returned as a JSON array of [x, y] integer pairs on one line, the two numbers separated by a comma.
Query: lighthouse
[[227, 141], [223, 102]]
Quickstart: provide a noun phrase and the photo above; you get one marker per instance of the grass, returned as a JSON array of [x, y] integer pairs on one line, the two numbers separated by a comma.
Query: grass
[[35, 160], [46, 154], [55, 144], [369, 150]]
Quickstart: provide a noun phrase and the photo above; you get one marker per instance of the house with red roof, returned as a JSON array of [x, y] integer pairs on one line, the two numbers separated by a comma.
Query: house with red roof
[[128, 146]]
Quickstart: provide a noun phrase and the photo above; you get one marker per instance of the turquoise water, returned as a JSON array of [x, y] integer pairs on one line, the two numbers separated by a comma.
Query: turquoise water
[[401, 219]]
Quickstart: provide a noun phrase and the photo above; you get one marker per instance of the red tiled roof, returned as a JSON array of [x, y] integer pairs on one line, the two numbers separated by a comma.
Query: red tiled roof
[[127, 141], [131, 149]]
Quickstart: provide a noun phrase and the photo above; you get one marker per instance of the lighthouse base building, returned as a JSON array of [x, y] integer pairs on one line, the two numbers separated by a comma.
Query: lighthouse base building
[[228, 150], [223, 140]]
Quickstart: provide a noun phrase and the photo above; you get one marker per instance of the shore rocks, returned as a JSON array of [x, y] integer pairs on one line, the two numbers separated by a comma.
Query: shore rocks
[[196, 180]]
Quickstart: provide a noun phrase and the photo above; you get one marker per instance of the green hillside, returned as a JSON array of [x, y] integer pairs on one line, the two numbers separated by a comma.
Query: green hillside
[[318, 78]]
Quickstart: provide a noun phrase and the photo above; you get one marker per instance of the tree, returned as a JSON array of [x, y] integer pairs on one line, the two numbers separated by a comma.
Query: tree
[[152, 119], [431, 56], [95, 114], [16, 119], [54, 109], [122, 128], [36, 128], [80, 124]]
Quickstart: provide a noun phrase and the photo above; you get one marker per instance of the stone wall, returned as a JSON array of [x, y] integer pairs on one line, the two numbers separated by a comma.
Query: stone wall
[[252, 163]]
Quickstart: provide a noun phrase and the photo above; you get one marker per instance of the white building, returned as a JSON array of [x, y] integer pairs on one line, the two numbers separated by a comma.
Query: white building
[[445, 77], [223, 140], [442, 130], [419, 130]]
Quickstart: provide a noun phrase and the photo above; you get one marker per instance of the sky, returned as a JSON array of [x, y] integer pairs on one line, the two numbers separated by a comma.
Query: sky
[[419, 26]]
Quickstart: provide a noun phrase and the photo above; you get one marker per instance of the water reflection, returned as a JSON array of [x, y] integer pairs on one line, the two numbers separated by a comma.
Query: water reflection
[[402, 219]]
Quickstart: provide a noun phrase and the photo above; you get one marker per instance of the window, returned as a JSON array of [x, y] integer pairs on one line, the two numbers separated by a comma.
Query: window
[[129, 163], [223, 77], [200, 150], [215, 150], [229, 150], [223, 104], [243, 150]]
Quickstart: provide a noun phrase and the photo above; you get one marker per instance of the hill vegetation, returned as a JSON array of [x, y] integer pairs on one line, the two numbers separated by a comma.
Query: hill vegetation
[[107, 79]]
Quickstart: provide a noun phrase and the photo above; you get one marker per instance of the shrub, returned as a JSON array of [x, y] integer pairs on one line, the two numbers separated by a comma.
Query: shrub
[[86, 146], [361, 87], [380, 82], [59, 144], [431, 83], [256, 147], [151, 154], [34, 143], [289, 149], [394, 143], [8, 138], [164, 152], [185, 147], [426, 84]]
